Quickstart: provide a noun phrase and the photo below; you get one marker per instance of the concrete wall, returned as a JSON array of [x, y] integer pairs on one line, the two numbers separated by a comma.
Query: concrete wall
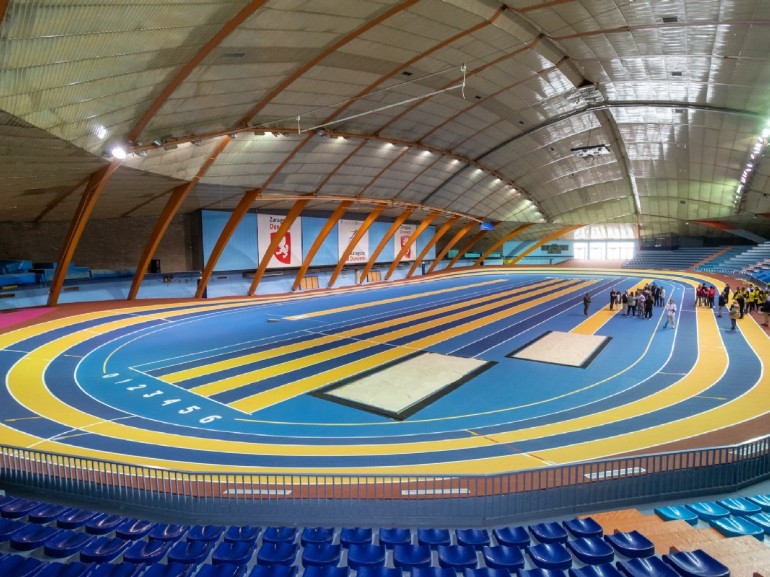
[[106, 244]]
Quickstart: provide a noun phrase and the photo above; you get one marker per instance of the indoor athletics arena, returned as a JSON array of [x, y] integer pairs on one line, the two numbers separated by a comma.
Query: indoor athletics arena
[[384, 288]]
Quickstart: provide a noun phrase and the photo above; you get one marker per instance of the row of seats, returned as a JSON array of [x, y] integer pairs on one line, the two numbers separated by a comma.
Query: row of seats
[[678, 564], [100, 539], [732, 517]]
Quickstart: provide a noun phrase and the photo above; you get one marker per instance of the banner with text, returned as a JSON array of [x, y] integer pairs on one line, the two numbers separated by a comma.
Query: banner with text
[[288, 253], [402, 237], [346, 230]]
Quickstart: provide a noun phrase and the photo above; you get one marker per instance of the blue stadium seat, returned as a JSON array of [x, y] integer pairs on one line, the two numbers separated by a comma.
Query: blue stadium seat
[[761, 519], [707, 510], [696, 563], [72, 569], [503, 557], [169, 570], [116, 569], [604, 570], [432, 572], [457, 556], [365, 555], [190, 552], [761, 500], [631, 544], [677, 513], [591, 550], [321, 554], [408, 556], [18, 508], [646, 567], [103, 550], [225, 570], [540, 572], [512, 536], [5, 499], [8, 527], [433, 537], [477, 538], [380, 572], [133, 529], [740, 506], [390, 537], [274, 571], [167, 532], [151, 551], [550, 556], [233, 552], [210, 533], [245, 533], [103, 523], [280, 535], [316, 535], [74, 518], [32, 536], [355, 536], [281, 553], [585, 527], [326, 571], [66, 543], [46, 512], [20, 566], [737, 526], [488, 572], [549, 532]]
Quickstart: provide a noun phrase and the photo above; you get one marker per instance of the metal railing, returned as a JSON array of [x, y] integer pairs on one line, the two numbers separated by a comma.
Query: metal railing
[[381, 500]]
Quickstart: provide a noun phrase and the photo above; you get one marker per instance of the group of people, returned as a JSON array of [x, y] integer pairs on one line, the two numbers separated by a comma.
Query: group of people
[[640, 302]]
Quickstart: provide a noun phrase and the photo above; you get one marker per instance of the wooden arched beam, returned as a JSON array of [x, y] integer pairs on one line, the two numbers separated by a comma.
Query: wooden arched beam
[[541, 242], [187, 69], [476, 238], [3, 9], [288, 220], [408, 244], [430, 244], [327, 228], [515, 232], [353, 242], [88, 199], [178, 196], [388, 235], [455, 239]]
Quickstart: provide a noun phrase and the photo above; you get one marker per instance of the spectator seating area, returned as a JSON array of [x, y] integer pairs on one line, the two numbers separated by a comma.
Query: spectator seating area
[[681, 259], [39, 539], [747, 259], [26, 272]]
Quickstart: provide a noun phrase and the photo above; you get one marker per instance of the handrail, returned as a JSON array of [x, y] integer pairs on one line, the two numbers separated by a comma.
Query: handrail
[[470, 500]]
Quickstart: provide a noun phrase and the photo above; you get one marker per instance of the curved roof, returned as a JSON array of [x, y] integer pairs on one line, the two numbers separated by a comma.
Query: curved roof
[[636, 117]]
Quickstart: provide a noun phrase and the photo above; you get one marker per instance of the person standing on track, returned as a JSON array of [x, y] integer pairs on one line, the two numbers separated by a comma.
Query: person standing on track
[[586, 303], [670, 313]]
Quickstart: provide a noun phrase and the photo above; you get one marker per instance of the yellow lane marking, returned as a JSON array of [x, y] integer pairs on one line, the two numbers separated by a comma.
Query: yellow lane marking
[[238, 361], [370, 304], [603, 315], [270, 397], [748, 406]]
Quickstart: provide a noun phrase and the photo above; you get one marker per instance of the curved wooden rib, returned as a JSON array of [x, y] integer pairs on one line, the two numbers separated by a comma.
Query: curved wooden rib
[[288, 220], [430, 244], [541, 242], [476, 237], [408, 244], [327, 228], [215, 40], [455, 239], [388, 235], [354, 241], [88, 199], [178, 195], [515, 232]]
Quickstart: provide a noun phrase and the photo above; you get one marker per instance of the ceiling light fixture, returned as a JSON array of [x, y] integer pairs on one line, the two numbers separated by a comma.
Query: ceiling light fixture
[[118, 152]]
